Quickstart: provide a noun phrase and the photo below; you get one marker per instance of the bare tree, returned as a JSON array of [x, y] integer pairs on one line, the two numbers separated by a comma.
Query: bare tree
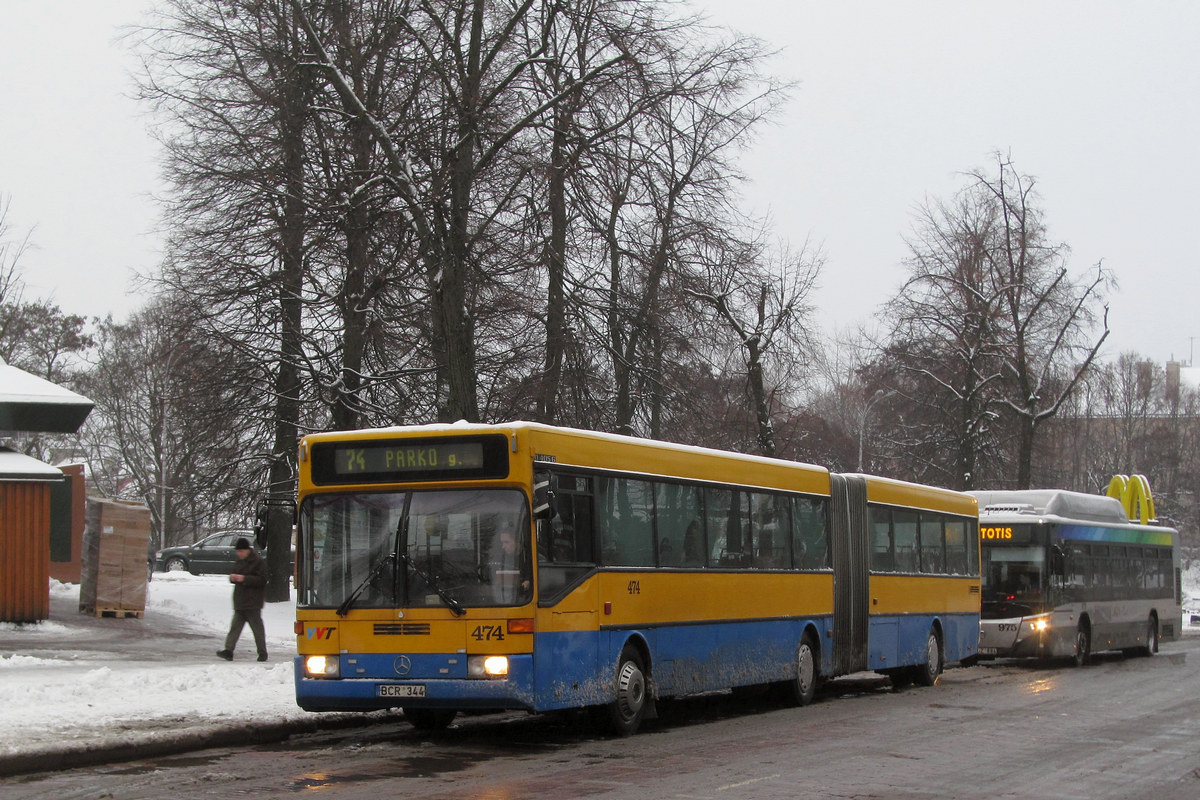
[[991, 327], [765, 307], [477, 68], [226, 81], [656, 193], [11, 251], [171, 425], [944, 337], [1049, 314]]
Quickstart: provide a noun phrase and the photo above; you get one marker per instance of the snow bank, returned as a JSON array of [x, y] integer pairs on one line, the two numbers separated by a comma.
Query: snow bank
[[76, 679]]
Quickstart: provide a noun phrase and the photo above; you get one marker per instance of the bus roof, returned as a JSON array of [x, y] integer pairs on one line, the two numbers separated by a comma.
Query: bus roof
[[628, 453], [917, 495], [1053, 502], [594, 449]]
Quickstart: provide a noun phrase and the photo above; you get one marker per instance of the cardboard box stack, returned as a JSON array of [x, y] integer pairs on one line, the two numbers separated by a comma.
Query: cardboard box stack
[[114, 570]]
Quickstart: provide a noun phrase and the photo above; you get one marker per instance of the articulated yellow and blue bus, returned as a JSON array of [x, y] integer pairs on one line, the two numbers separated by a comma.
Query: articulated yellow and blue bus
[[458, 567], [1067, 574]]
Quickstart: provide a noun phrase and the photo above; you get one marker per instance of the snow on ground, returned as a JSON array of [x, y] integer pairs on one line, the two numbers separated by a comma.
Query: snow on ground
[[75, 679], [1191, 592]]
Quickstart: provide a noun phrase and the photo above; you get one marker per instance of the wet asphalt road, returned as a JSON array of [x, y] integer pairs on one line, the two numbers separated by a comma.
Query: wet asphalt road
[[1118, 728]]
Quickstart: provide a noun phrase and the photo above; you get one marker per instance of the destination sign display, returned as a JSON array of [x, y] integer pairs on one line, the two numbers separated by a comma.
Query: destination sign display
[[404, 460], [1005, 534], [399, 458]]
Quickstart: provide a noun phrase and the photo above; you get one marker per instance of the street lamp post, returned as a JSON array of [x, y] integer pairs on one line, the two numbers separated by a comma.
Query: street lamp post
[[862, 424]]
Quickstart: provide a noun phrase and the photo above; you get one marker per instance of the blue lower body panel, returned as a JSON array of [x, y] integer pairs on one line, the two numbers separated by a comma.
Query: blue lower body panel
[[578, 668], [900, 641]]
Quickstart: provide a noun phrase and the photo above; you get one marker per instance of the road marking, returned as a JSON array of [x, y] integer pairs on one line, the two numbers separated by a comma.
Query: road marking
[[746, 783]]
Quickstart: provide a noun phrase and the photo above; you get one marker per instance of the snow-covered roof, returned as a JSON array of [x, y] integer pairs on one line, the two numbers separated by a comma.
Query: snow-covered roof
[[30, 403], [18, 466], [1052, 502]]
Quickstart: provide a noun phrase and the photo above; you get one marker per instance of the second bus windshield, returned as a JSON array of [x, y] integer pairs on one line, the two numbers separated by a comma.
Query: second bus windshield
[[1014, 571]]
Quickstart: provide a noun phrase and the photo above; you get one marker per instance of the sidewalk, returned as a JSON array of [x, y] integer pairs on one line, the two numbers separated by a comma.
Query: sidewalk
[[79, 690]]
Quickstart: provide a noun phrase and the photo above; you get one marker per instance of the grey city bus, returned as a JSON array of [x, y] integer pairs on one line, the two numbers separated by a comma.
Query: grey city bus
[[1066, 574]]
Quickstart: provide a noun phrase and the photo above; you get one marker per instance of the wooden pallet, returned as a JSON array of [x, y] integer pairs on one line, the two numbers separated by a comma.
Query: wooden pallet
[[116, 613]]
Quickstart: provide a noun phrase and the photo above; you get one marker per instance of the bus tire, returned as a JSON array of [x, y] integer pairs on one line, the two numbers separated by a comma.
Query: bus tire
[[626, 710], [429, 719], [1151, 636], [801, 690], [927, 674], [1083, 646]]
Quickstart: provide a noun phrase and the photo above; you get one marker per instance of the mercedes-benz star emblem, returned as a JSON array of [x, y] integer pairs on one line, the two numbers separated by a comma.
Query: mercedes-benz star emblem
[[402, 665]]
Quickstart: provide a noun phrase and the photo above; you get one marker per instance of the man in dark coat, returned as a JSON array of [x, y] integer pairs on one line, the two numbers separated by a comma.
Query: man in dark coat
[[249, 579]]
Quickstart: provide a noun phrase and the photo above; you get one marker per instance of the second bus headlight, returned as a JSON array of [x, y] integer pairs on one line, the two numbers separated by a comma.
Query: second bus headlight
[[1039, 624], [487, 667], [322, 667]]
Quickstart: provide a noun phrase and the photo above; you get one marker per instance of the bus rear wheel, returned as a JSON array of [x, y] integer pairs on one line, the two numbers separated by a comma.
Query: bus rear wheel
[[927, 674], [625, 712], [430, 719]]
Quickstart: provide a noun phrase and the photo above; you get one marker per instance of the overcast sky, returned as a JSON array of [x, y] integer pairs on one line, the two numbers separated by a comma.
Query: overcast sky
[[1100, 101]]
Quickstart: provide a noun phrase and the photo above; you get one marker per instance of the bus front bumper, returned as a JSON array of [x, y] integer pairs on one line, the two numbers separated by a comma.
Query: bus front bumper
[[375, 692], [1024, 637]]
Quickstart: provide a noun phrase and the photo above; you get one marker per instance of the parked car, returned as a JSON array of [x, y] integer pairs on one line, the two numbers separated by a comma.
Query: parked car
[[212, 555]]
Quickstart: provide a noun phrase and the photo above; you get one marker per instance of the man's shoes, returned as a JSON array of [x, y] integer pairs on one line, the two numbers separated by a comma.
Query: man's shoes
[[262, 656], [225, 654]]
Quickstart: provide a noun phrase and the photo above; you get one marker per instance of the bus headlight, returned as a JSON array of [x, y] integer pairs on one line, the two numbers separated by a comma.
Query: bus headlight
[[1039, 624], [321, 667], [487, 667]]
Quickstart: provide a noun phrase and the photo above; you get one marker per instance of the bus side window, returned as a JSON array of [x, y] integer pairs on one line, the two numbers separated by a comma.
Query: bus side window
[[769, 526], [566, 549], [677, 518], [625, 515], [567, 538], [734, 549], [956, 547], [933, 543], [905, 540], [810, 533], [881, 540]]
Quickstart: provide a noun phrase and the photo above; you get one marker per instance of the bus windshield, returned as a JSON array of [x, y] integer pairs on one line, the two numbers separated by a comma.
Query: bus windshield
[[1014, 578], [415, 550]]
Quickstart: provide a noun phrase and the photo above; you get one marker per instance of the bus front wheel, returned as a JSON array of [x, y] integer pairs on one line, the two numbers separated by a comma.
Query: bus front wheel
[[1083, 646], [1151, 637], [625, 712]]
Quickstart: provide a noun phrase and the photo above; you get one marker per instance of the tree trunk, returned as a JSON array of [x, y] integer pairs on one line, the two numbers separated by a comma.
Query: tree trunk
[[758, 395], [556, 268], [1028, 433], [282, 472], [354, 299]]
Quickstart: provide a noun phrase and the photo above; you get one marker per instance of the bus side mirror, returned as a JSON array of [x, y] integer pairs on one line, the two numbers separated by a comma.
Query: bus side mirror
[[260, 525], [1058, 561], [263, 513], [543, 495]]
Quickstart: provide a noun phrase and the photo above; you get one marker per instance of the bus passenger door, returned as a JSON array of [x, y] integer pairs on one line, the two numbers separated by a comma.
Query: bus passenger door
[[849, 526]]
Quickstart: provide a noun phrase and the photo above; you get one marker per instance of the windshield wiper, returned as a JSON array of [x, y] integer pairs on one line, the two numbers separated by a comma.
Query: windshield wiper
[[451, 602], [375, 572]]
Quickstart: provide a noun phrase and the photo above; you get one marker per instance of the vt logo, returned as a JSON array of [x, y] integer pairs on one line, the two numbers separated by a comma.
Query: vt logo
[[320, 633]]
